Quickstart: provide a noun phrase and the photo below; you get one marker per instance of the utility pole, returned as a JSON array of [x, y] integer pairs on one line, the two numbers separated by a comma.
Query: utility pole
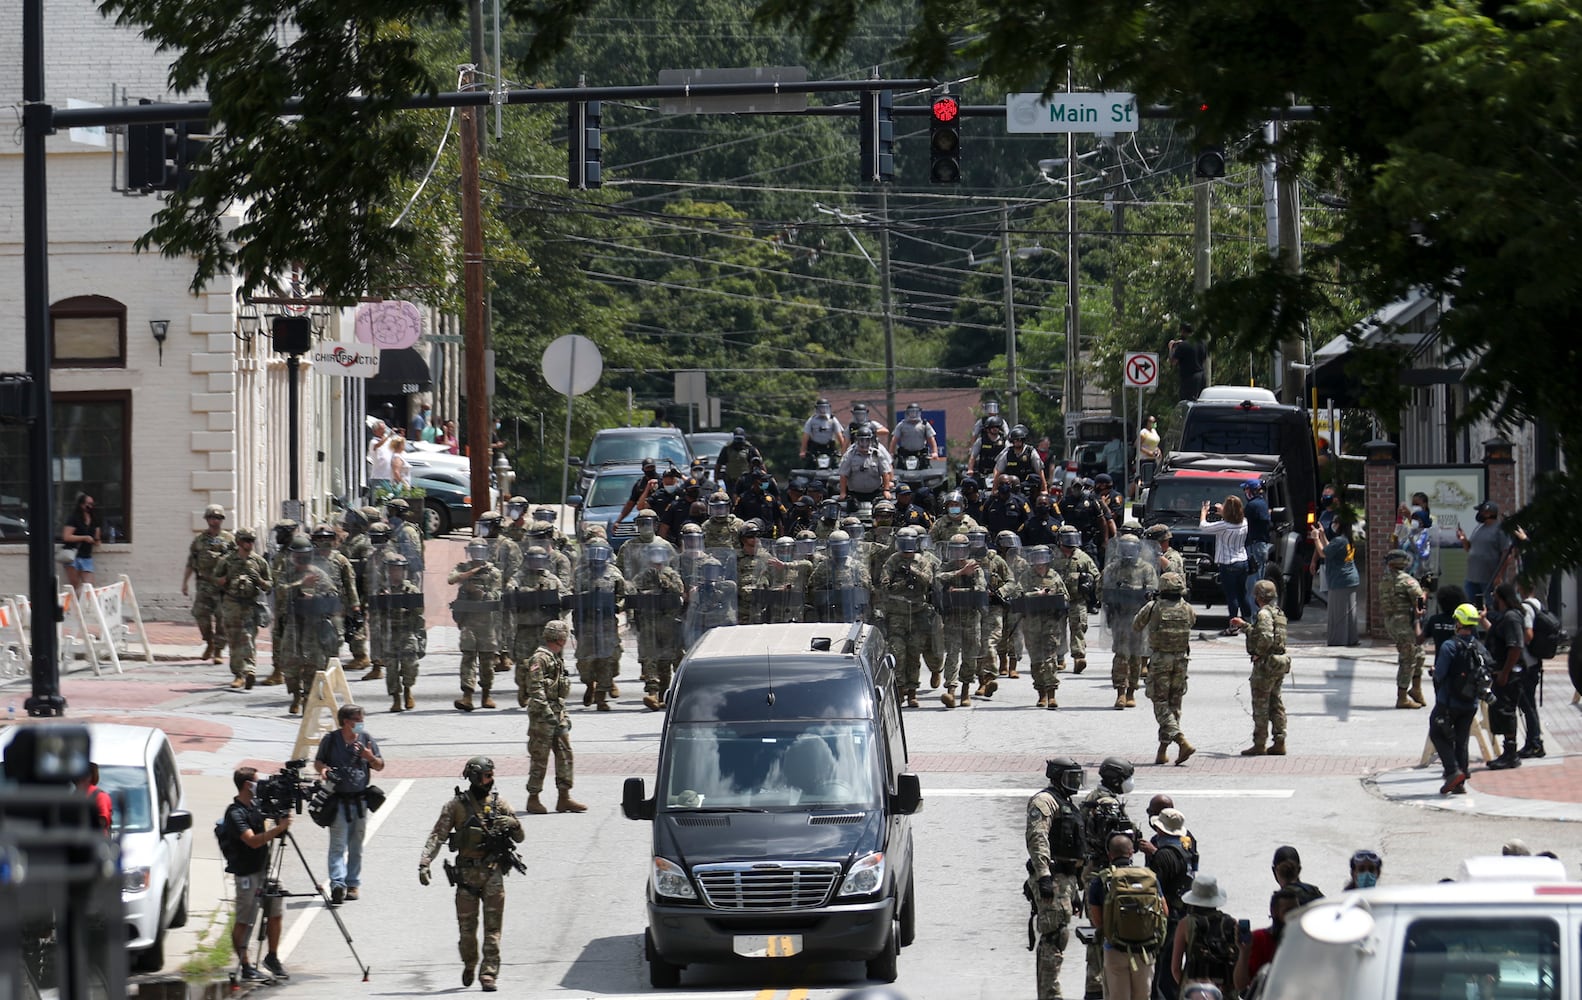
[[889, 311], [1011, 389], [475, 53], [1073, 400], [479, 426], [1288, 205], [1202, 277]]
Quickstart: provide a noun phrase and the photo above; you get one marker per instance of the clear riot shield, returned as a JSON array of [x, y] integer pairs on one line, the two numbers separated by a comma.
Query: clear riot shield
[[712, 600], [784, 581], [752, 579], [634, 554], [534, 596], [393, 603], [1129, 580], [841, 589], [596, 585], [313, 607], [655, 600]]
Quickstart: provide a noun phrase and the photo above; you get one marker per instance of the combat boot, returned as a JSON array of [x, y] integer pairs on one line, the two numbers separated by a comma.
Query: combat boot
[[407, 701], [911, 698], [296, 705], [1186, 751], [1277, 748], [1256, 750], [1011, 673], [966, 696], [1144, 671], [237, 683], [1120, 699], [464, 703], [600, 702], [208, 650], [948, 696], [377, 673], [1051, 706], [486, 984], [275, 677], [1534, 747], [566, 804], [1404, 700], [395, 703], [1507, 759], [1163, 756], [487, 701], [651, 701], [1131, 697], [215, 657], [1078, 665], [933, 679], [587, 695], [1416, 693], [615, 692], [1005, 665], [534, 806], [466, 974], [1043, 699]]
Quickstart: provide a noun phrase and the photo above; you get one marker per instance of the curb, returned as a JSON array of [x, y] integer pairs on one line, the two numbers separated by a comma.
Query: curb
[[1419, 787]]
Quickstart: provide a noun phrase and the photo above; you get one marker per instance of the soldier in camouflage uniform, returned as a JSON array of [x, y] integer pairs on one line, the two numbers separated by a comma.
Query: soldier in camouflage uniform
[[279, 564], [345, 579], [535, 597], [1400, 602], [1168, 620], [543, 534], [634, 554], [784, 588], [657, 604], [480, 876], [395, 622], [955, 520], [1042, 604], [1081, 575], [548, 727], [722, 529], [1128, 579], [962, 594], [507, 558], [476, 612], [373, 581], [752, 576], [354, 548], [312, 600], [992, 637], [1009, 544], [907, 586], [516, 520], [208, 547], [1170, 560], [243, 577], [597, 592], [838, 590], [404, 535], [1056, 844], [1266, 646]]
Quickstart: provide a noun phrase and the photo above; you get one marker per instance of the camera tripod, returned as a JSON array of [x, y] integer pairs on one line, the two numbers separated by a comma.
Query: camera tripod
[[273, 886]]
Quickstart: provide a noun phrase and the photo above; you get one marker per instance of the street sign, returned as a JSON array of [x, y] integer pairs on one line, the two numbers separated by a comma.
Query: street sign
[[692, 387], [750, 104], [1141, 370], [572, 365], [1098, 113], [346, 358]]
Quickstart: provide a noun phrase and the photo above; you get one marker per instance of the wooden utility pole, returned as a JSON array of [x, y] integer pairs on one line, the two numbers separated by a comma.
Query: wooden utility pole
[[1288, 206], [479, 427]]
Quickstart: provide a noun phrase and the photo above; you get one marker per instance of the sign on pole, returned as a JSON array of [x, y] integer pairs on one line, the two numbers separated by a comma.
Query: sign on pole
[[1102, 114], [1141, 370], [572, 365]]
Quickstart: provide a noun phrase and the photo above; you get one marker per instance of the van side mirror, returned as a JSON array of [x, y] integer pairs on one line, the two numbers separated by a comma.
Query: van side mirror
[[574, 502], [574, 461], [635, 803], [908, 794], [179, 821]]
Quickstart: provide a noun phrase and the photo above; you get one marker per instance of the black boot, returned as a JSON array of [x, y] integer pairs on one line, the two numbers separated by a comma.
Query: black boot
[[1506, 759], [1534, 748]]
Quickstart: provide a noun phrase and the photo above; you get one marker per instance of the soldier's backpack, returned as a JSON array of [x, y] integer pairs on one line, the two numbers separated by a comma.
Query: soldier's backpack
[[1134, 912], [1546, 632]]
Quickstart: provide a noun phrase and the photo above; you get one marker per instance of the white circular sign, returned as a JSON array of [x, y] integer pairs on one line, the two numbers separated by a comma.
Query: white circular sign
[[572, 365], [1141, 370]]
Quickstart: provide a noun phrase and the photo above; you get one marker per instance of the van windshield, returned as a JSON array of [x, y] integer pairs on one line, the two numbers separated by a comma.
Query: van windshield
[[1176, 501], [665, 449], [771, 764]]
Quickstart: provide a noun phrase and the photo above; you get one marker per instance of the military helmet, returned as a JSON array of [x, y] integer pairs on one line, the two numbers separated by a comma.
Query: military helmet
[[245, 535], [1171, 583], [300, 543], [953, 497], [490, 516], [1039, 555], [884, 507], [556, 630], [840, 538], [598, 553], [379, 533], [536, 557], [354, 519], [545, 514], [285, 524], [1397, 556], [785, 547], [719, 504], [1064, 773], [1007, 540], [323, 532], [691, 529], [214, 510], [1115, 770], [396, 505], [395, 560], [540, 529], [909, 539], [647, 514], [1156, 532], [749, 529], [1069, 538], [477, 767], [957, 546], [477, 550]]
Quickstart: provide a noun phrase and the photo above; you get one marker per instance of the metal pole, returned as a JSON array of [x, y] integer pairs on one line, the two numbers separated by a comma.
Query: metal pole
[[1073, 293], [1126, 464], [889, 313], [1288, 200], [43, 585], [1010, 315], [293, 418], [565, 447], [479, 426]]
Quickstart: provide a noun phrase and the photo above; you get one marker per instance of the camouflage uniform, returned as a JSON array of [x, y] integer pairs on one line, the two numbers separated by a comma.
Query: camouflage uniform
[[596, 601], [548, 727], [480, 880], [1168, 620], [1399, 597], [752, 582], [1127, 583], [1043, 605], [657, 606], [963, 594], [838, 590], [907, 583], [952, 524], [1072, 570], [723, 533], [1270, 664], [355, 549], [993, 639], [784, 590], [1053, 914], [407, 540], [203, 556], [346, 583], [535, 597], [476, 612], [400, 635], [311, 636], [246, 580], [1170, 561]]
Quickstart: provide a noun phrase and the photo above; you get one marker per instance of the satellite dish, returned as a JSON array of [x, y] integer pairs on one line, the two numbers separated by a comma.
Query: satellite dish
[[572, 364], [1343, 924]]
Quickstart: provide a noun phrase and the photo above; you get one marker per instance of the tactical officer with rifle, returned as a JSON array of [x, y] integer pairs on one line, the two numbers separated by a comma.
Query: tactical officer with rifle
[[483, 830], [1056, 841]]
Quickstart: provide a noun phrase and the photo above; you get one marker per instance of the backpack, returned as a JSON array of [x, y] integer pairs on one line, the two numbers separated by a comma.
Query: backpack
[[1471, 671], [1546, 632], [1134, 912], [230, 844], [1211, 948]]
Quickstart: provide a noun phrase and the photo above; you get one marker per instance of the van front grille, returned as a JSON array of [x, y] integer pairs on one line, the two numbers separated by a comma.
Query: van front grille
[[767, 885]]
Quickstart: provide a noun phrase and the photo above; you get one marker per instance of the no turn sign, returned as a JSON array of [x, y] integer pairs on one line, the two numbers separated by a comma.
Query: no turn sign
[[1141, 370]]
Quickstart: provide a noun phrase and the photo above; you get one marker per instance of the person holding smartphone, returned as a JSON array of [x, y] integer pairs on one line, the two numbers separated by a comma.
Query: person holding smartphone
[[345, 757], [1256, 947]]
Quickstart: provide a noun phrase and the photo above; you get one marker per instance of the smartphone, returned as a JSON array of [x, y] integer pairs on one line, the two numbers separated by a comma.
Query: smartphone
[[1244, 930]]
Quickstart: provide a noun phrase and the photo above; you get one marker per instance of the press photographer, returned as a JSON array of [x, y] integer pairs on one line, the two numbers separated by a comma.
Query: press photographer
[[343, 762], [245, 844]]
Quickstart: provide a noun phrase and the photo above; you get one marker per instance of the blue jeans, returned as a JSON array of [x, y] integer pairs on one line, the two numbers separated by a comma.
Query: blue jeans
[[346, 845], [1233, 580], [1476, 590], [1258, 556]]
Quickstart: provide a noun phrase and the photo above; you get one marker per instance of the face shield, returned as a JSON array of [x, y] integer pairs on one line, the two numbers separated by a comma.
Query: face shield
[[957, 551], [978, 542]]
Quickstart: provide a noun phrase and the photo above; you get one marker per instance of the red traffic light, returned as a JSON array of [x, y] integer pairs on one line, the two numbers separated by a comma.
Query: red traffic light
[[946, 109]]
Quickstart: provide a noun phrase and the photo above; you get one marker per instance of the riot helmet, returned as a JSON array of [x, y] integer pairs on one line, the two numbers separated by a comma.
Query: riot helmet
[[822, 407], [658, 553], [598, 555], [864, 440], [852, 526], [1019, 433], [978, 541], [515, 508], [545, 515], [914, 412], [806, 544], [1007, 540], [478, 551], [954, 504], [487, 525], [883, 512], [908, 539], [1065, 775], [785, 548], [323, 536], [691, 538], [957, 547], [1068, 538], [1039, 555], [536, 558], [829, 510], [378, 534], [285, 528], [1115, 772], [395, 567], [719, 505], [1128, 547]]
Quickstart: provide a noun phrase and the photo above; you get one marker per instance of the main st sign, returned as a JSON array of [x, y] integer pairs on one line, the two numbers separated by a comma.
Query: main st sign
[[1099, 113]]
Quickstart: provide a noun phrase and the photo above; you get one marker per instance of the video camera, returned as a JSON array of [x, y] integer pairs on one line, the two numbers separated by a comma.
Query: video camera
[[1107, 821], [285, 792]]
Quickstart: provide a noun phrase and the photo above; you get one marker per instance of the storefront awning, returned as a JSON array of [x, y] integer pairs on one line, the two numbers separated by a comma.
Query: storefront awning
[[401, 372]]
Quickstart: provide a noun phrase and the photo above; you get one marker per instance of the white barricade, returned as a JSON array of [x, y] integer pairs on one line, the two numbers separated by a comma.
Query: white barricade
[[16, 658], [115, 623], [72, 633], [326, 693]]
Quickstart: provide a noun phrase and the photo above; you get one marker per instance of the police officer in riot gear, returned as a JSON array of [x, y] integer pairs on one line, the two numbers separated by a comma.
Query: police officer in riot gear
[[1056, 845], [914, 438], [823, 434]]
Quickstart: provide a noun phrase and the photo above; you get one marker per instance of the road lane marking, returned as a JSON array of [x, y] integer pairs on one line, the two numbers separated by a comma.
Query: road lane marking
[[299, 929], [1200, 793]]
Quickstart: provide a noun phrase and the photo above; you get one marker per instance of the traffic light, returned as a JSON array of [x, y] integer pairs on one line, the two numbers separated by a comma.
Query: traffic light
[[944, 141], [877, 127], [183, 148], [1210, 163], [584, 154]]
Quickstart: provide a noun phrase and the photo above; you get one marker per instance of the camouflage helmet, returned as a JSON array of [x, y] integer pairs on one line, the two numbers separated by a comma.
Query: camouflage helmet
[[646, 514], [556, 630], [885, 508], [396, 505], [323, 531], [1156, 532], [1171, 583], [354, 520], [491, 516], [245, 535], [1068, 538], [477, 767], [1397, 557], [536, 557], [1007, 540], [395, 560], [286, 524], [300, 543], [379, 532], [1113, 771], [214, 510], [839, 544]]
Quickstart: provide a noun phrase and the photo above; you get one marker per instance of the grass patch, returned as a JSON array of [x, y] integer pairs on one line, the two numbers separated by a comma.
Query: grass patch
[[214, 953]]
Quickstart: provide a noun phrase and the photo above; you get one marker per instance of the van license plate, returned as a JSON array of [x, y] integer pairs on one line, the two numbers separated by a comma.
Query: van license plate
[[767, 945]]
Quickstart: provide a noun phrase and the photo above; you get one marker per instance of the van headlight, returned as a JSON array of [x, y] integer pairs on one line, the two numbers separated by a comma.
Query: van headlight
[[669, 880], [866, 876], [134, 880]]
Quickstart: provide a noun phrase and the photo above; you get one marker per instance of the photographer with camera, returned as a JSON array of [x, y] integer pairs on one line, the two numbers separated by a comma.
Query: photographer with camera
[[344, 759], [245, 844], [1104, 816]]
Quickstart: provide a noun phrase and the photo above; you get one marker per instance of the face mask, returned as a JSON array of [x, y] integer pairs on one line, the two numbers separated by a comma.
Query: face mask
[[357, 727], [672, 487], [1367, 880], [1127, 786]]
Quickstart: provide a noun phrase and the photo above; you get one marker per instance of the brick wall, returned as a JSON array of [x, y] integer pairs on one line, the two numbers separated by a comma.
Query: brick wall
[[1379, 479]]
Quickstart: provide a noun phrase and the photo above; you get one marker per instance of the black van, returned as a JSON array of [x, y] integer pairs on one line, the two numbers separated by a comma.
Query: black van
[[1242, 420], [782, 808]]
